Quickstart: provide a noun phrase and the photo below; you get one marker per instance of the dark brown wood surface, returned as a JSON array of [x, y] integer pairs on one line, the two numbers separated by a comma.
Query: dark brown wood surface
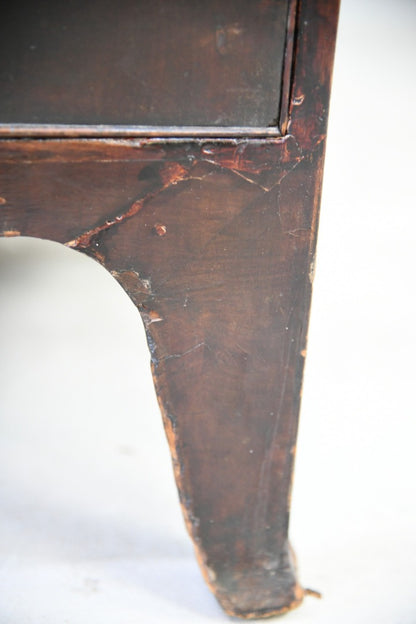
[[208, 246], [164, 62], [214, 241]]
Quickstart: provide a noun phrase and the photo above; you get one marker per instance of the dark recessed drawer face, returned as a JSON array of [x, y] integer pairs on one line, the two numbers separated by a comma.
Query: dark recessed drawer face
[[142, 62]]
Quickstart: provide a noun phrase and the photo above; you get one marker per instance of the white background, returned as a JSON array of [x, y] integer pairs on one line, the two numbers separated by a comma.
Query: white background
[[90, 526]]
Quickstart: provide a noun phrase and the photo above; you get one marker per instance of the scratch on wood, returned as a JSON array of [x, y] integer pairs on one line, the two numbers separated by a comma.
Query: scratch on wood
[[138, 288], [179, 355], [311, 273], [10, 233], [149, 316], [261, 508], [171, 174]]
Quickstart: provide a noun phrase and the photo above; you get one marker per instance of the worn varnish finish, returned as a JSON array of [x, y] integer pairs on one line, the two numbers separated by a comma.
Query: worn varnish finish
[[214, 242]]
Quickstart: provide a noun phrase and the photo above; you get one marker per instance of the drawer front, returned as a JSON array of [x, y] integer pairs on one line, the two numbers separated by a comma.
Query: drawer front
[[145, 63]]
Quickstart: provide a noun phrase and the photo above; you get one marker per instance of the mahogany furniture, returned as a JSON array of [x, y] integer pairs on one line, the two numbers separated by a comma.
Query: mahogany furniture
[[180, 144]]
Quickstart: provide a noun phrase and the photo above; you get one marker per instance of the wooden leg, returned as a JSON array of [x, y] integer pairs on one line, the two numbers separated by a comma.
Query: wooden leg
[[219, 269], [215, 248], [218, 263]]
